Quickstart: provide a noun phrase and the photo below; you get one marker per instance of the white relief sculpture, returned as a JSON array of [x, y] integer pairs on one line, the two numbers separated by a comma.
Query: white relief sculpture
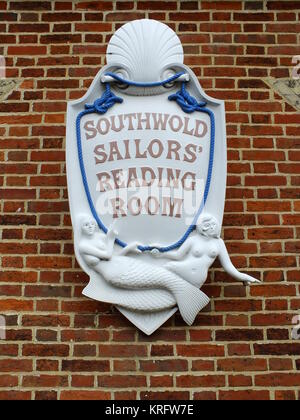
[[146, 163], [146, 49], [129, 273], [96, 247], [182, 278], [197, 254]]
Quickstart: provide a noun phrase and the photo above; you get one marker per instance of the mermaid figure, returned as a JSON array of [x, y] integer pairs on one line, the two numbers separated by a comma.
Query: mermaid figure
[[95, 247], [193, 259], [125, 272]]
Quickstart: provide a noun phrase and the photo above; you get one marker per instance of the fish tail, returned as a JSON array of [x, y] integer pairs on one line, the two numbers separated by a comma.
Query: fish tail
[[190, 301]]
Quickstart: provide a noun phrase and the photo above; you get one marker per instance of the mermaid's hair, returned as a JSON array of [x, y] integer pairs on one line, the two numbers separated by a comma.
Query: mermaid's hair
[[211, 219]]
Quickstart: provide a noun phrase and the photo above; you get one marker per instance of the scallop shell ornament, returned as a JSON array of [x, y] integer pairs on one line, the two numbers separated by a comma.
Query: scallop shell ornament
[[143, 49]]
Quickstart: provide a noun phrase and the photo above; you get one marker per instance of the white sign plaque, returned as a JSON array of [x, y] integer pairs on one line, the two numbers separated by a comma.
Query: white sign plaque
[[146, 166]]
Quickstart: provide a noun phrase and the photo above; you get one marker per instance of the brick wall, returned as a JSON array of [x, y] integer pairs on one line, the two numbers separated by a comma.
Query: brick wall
[[61, 345]]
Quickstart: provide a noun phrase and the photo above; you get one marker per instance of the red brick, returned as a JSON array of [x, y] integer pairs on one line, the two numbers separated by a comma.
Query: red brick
[[85, 365], [13, 365], [122, 350], [8, 381], [30, 5], [203, 365], [165, 395], [44, 381], [203, 381], [80, 381], [245, 395], [239, 335], [240, 381], [45, 320], [121, 381], [45, 365], [271, 319], [15, 395], [94, 5], [26, 50], [279, 290], [280, 379], [48, 262], [45, 350], [274, 261], [124, 365], [65, 5], [123, 17], [280, 364], [16, 305], [277, 349], [85, 395], [16, 248], [200, 350], [126, 395], [277, 334], [85, 350], [242, 365], [157, 5], [46, 396], [164, 365], [163, 381], [276, 305], [124, 5], [285, 395], [283, 27], [221, 27], [286, 5], [205, 396], [9, 350], [238, 305], [162, 350], [222, 5]]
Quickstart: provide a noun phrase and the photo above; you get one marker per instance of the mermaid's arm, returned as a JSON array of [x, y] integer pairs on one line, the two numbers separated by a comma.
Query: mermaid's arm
[[132, 247], [110, 245], [110, 240], [177, 255], [229, 267]]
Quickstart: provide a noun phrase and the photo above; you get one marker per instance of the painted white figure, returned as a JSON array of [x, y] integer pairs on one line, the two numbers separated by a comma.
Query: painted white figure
[[198, 252], [130, 273], [95, 247]]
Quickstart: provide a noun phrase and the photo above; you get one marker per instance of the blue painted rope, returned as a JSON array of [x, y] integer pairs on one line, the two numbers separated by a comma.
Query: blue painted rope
[[144, 84], [101, 105], [188, 104], [107, 100]]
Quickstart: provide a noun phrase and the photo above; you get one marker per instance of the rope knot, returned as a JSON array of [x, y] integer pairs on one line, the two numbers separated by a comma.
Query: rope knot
[[187, 102], [107, 100]]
